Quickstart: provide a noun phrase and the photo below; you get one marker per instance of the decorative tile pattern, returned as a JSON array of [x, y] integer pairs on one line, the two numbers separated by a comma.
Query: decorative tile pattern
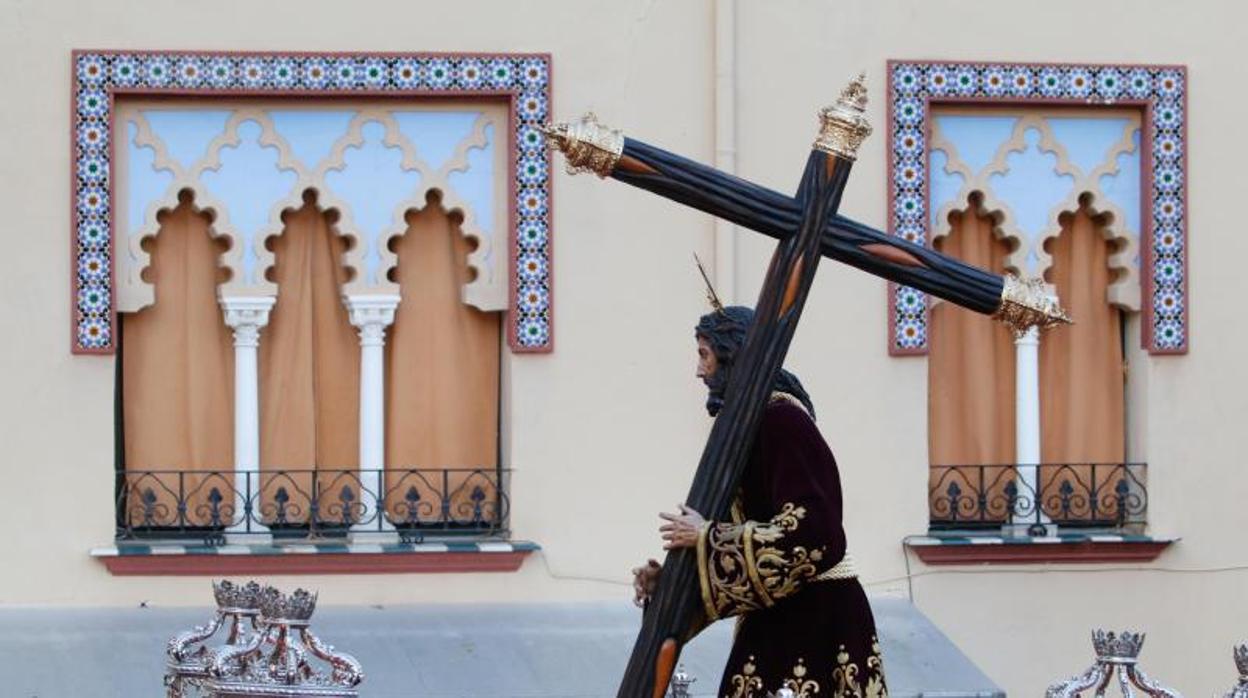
[[468, 546], [1078, 547], [522, 78], [1160, 90], [1060, 538]]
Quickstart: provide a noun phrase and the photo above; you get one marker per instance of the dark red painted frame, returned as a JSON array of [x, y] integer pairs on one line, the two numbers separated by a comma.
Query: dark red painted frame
[[1083, 552], [318, 563]]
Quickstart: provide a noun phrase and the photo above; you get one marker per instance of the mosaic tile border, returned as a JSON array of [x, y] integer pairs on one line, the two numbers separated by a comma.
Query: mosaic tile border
[[1161, 90], [99, 76]]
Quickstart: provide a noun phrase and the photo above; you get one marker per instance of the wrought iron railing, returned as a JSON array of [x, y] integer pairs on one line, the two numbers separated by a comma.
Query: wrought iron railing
[[311, 504], [1090, 495]]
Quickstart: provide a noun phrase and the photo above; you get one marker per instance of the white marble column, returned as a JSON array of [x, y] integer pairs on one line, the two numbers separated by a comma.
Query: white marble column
[[1027, 413], [246, 316], [1028, 306], [372, 314]]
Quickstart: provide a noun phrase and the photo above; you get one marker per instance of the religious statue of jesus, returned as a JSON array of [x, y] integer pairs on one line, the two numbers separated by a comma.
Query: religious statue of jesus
[[776, 559], [779, 563]]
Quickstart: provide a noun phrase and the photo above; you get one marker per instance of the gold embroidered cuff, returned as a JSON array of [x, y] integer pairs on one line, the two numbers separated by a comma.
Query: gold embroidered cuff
[[747, 566], [703, 571], [751, 567], [724, 572], [779, 566]]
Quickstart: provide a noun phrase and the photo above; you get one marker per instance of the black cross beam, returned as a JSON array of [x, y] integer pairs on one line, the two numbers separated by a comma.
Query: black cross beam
[[590, 146], [807, 228]]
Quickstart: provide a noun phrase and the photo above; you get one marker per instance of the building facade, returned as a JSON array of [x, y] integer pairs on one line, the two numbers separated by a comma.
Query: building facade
[[546, 356]]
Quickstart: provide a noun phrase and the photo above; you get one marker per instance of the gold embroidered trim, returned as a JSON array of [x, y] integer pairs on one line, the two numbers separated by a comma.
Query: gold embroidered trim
[[782, 571], [751, 566], [799, 684], [724, 564], [778, 396], [851, 679], [849, 683], [845, 569], [703, 569], [744, 567], [746, 683]]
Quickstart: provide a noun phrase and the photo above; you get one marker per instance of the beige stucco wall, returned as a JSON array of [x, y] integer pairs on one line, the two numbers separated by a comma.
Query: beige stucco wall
[[605, 431]]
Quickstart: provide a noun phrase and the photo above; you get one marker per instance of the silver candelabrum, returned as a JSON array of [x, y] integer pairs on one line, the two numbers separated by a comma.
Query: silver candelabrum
[[1116, 658]]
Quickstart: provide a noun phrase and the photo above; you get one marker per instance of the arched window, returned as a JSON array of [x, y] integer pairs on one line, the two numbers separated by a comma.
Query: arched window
[[365, 273], [309, 373], [1053, 194], [971, 362], [177, 382], [442, 373]]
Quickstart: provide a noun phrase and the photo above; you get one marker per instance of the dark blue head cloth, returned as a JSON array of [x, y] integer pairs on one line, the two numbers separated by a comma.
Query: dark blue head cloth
[[725, 331]]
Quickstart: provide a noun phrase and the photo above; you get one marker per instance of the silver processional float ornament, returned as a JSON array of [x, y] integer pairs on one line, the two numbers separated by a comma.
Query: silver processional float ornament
[[1240, 690], [267, 650], [681, 681], [187, 653], [1117, 657], [277, 661]]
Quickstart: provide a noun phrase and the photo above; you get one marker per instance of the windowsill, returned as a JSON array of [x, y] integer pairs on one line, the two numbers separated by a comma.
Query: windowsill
[[170, 559], [1066, 547]]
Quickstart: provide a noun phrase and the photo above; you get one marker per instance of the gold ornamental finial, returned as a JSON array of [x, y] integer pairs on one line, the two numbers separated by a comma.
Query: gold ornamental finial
[[587, 145], [843, 126], [1028, 304]]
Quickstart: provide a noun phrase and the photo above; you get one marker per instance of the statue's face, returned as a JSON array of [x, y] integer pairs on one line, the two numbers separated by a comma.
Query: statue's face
[[707, 362]]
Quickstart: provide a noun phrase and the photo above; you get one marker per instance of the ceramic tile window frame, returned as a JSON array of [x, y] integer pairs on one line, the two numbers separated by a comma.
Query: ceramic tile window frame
[[100, 76], [914, 86]]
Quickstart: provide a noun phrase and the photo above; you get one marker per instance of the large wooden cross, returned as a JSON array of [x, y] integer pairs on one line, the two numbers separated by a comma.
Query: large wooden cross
[[808, 228]]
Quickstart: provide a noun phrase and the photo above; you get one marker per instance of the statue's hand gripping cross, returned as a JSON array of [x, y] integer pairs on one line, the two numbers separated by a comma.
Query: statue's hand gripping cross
[[808, 227]]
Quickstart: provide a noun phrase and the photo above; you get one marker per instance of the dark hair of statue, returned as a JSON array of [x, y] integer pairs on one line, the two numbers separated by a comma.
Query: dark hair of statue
[[724, 330]]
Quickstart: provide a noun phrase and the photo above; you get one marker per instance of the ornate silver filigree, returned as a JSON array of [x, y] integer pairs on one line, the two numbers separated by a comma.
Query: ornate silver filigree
[[1240, 690], [844, 126], [188, 655], [277, 661], [295, 609], [588, 146], [1121, 648], [1117, 657], [679, 686], [233, 598]]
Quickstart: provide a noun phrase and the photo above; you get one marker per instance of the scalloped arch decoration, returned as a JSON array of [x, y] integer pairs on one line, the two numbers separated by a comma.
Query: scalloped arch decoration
[[1153, 255], [1063, 174], [495, 173], [259, 163]]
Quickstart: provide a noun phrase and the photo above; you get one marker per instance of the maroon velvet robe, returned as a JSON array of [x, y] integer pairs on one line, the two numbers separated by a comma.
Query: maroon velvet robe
[[815, 637]]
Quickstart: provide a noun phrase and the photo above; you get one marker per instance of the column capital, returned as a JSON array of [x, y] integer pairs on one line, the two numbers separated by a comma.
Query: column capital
[[1027, 303], [1029, 336], [246, 315], [371, 314]]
